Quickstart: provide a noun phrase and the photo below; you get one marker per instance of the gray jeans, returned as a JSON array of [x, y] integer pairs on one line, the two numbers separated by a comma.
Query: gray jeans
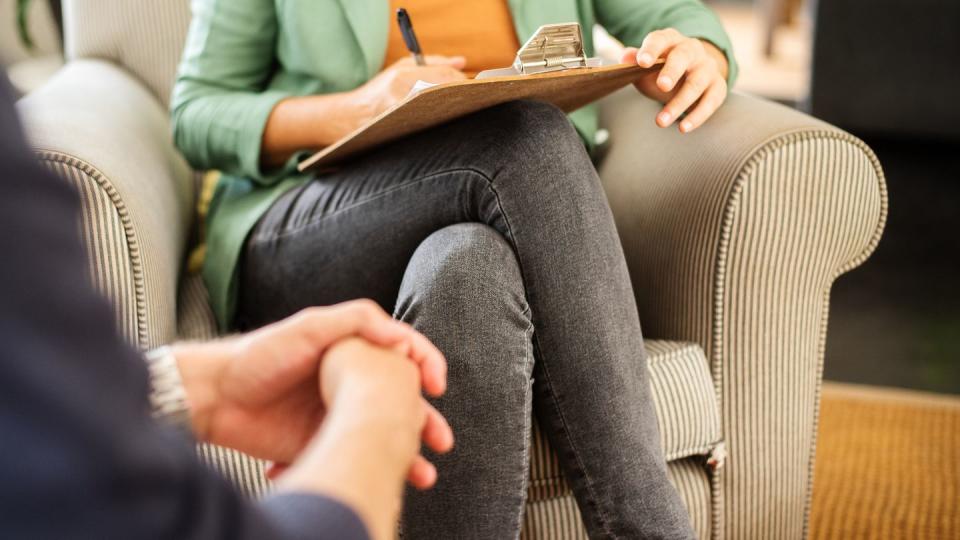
[[493, 237]]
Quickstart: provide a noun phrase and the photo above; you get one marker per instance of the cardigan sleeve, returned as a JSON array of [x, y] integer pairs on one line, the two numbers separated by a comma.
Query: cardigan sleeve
[[631, 20], [221, 100]]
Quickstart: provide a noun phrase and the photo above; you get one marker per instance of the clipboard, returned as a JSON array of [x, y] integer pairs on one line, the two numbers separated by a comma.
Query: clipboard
[[550, 67]]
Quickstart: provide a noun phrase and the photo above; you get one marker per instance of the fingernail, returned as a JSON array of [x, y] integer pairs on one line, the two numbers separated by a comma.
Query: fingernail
[[665, 82], [685, 126], [665, 118], [645, 59]]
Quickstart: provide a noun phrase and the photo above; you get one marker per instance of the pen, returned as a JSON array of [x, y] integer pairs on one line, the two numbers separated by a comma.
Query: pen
[[406, 28]]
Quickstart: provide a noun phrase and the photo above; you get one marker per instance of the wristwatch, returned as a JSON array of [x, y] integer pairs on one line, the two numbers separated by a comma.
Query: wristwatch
[[168, 397]]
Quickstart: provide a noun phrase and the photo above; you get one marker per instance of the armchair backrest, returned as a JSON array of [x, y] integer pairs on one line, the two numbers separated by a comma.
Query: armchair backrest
[[146, 37], [43, 31]]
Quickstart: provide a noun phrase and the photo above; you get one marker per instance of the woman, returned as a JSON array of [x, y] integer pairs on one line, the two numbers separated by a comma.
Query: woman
[[490, 234]]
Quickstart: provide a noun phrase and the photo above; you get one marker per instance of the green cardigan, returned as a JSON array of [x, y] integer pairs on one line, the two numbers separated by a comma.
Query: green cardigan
[[243, 56]]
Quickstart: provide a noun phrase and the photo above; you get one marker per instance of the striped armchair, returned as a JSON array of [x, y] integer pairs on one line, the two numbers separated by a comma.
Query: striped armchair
[[733, 234]]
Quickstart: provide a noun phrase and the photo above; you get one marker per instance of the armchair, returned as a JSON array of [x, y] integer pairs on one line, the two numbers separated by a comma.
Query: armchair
[[733, 234]]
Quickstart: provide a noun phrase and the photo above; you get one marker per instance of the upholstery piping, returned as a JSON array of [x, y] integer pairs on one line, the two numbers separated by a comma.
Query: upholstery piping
[[762, 152], [133, 246]]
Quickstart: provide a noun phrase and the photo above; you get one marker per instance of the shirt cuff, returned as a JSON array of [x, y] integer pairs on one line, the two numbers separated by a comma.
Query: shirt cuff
[[719, 39], [299, 516], [251, 143]]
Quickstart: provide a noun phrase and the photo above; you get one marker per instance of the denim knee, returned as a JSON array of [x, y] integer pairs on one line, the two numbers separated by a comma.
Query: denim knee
[[463, 289], [528, 124], [533, 145], [465, 268]]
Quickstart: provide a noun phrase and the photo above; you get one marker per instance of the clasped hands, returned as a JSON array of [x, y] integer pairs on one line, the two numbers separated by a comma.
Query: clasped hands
[[332, 396]]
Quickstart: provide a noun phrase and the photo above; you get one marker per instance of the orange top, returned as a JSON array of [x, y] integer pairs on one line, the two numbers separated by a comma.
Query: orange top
[[480, 30]]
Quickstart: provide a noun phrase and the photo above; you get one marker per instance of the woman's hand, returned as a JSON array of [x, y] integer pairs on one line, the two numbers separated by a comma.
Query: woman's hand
[[393, 85], [314, 122], [692, 79]]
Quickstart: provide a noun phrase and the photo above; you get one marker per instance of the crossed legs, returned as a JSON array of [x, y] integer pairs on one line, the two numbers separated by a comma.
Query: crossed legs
[[541, 253]]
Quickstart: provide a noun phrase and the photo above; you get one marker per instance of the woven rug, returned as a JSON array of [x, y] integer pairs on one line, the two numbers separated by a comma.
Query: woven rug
[[888, 465]]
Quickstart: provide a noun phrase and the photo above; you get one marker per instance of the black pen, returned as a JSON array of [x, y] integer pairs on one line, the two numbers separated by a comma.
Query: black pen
[[406, 28]]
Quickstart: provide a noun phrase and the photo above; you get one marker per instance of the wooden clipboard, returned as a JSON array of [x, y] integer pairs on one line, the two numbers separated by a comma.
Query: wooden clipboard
[[568, 89]]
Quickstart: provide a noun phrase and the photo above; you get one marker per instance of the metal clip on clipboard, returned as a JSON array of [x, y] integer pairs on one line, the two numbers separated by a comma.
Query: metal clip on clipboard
[[553, 47]]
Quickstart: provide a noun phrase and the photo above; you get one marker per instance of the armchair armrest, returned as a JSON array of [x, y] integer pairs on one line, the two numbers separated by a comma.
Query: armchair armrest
[[99, 128], [734, 235]]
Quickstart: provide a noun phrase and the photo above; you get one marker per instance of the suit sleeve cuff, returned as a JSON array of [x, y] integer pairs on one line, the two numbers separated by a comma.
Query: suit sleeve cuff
[[303, 516]]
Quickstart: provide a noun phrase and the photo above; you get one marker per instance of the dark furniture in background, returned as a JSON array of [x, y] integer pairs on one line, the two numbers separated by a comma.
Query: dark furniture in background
[[888, 67], [889, 72]]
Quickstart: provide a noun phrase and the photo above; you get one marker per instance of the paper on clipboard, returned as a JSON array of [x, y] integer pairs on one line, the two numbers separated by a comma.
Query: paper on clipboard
[[420, 86]]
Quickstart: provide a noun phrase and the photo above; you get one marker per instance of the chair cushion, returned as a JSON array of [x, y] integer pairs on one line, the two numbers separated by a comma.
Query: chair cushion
[[687, 410], [685, 397], [559, 518]]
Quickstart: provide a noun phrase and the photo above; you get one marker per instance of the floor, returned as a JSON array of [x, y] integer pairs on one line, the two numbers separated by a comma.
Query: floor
[[888, 465]]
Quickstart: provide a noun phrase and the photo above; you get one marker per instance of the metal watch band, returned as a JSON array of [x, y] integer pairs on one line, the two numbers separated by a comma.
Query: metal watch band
[[168, 397]]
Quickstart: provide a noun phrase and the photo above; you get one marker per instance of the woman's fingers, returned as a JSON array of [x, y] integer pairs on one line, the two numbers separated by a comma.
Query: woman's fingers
[[440, 74], [695, 83], [456, 62], [709, 103], [693, 75], [436, 434], [657, 44], [680, 60]]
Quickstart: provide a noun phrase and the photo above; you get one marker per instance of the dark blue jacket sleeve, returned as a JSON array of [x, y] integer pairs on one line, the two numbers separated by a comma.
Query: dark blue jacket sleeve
[[80, 456]]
